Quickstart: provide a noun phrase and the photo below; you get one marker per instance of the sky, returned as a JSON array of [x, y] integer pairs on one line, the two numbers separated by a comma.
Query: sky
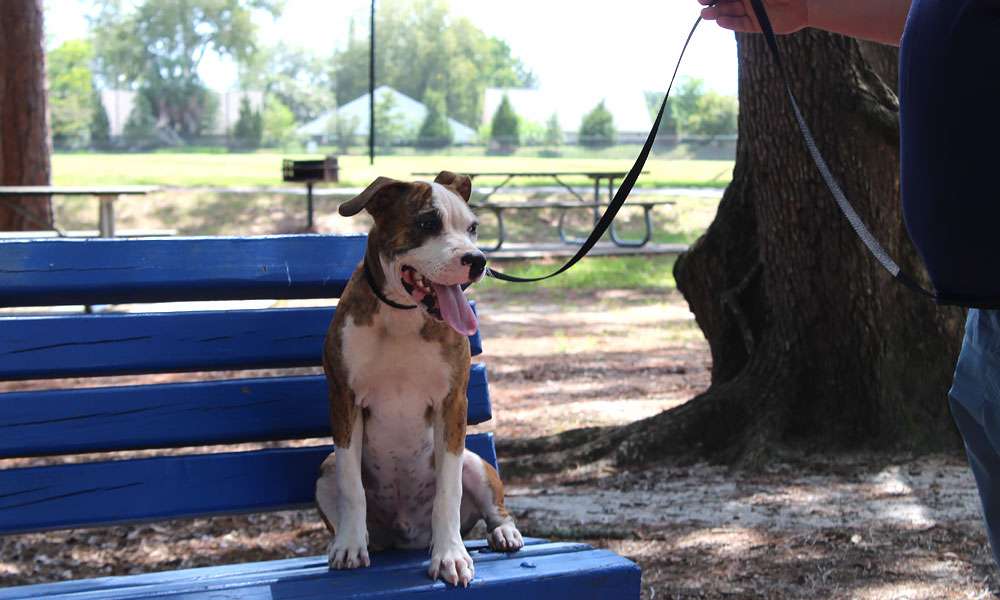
[[569, 44]]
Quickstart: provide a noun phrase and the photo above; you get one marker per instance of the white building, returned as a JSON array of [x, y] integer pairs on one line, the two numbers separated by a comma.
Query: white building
[[119, 104], [629, 109], [411, 112]]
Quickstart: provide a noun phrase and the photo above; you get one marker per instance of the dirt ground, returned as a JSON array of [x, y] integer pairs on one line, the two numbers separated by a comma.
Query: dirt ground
[[863, 526]]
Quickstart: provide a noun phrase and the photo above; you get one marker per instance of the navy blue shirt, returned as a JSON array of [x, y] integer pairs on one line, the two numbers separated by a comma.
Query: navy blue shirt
[[950, 145]]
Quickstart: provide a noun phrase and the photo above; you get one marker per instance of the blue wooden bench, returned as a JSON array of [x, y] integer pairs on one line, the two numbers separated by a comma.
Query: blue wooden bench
[[47, 345]]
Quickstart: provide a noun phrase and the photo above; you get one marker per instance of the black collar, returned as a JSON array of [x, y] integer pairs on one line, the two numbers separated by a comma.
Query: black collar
[[378, 293]]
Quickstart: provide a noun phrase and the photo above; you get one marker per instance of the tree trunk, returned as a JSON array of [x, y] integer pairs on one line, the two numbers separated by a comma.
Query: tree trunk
[[25, 145], [812, 344]]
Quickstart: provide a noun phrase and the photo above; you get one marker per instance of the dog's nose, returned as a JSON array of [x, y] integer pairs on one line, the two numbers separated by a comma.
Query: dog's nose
[[476, 262]]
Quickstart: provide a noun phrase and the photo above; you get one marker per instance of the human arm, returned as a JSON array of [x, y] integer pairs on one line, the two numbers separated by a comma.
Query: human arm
[[874, 20]]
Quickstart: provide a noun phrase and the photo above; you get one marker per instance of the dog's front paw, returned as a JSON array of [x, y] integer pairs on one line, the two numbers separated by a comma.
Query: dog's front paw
[[505, 538], [344, 553], [452, 563]]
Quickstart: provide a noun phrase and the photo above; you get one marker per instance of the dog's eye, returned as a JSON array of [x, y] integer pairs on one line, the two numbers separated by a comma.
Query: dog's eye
[[473, 228], [430, 224]]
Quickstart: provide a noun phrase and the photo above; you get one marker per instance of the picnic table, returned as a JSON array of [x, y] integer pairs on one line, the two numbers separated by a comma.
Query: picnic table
[[596, 204], [106, 195]]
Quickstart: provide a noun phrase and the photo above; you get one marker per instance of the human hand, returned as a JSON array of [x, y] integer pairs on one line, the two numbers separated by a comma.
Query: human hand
[[787, 16]]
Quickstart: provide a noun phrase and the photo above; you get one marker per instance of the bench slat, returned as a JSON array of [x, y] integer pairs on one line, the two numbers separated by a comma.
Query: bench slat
[[73, 421], [116, 271], [43, 347], [177, 415], [566, 570], [154, 489], [251, 571]]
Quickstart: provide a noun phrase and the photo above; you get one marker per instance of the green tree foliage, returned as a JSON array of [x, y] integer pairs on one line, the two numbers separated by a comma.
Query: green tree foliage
[[668, 126], [157, 46], [342, 130], [70, 93], [422, 47], [249, 128], [716, 115], [140, 128], [390, 125], [299, 78], [100, 126], [435, 132], [553, 138], [553, 132], [693, 110], [505, 130], [278, 122], [598, 128]]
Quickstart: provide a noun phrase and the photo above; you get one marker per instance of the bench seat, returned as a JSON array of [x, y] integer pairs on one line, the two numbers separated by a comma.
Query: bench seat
[[554, 571]]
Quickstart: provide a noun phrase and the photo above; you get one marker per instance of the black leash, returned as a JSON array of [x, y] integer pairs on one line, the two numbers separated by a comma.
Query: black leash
[[862, 231], [874, 247], [623, 191]]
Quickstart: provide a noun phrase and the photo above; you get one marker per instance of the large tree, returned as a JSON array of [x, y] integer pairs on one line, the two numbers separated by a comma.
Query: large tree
[[24, 132], [157, 46], [422, 47], [298, 77], [71, 93], [812, 344]]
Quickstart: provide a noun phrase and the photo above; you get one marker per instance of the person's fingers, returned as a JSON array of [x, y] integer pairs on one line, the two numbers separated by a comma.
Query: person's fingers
[[732, 15], [731, 9], [741, 24]]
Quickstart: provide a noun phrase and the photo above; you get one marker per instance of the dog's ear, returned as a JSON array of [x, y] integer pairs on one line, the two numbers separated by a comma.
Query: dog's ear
[[382, 186], [460, 183]]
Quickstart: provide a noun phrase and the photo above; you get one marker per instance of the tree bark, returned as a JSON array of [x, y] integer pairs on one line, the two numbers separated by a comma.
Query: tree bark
[[813, 345], [25, 145]]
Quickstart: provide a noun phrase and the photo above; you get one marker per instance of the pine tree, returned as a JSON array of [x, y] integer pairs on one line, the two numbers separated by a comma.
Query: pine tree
[[435, 132], [598, 128], [249, 128], [506, 130], [100, 127]]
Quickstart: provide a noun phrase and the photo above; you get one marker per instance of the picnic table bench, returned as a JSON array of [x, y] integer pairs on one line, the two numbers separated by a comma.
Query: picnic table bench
[[595, 204], [51, 493], [106, 196], [564, 208]]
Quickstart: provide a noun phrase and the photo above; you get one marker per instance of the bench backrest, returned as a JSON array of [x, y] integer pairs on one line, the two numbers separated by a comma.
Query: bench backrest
[[76, 420]]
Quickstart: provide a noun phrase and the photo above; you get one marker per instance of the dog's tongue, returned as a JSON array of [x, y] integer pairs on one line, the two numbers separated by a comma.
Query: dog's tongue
[[455, 309]]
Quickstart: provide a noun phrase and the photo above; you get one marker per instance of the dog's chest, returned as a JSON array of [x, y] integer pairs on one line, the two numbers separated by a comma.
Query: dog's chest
[[397, 380], [399, 375]]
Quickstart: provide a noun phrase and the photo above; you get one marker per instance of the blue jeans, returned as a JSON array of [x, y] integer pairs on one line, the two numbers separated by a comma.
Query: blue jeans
[[975, 405]]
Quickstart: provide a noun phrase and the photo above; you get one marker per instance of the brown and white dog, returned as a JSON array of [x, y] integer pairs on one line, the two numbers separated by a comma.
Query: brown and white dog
[[397, 364]]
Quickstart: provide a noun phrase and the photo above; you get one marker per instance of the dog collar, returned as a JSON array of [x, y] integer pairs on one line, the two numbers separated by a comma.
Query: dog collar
[[378, 293]]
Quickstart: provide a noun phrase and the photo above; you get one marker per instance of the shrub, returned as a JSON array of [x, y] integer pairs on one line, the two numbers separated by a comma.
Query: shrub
[[435, 132], [100, 126], [249, 128], [140, 128], [505, 132], [279, 123], [598, 128]]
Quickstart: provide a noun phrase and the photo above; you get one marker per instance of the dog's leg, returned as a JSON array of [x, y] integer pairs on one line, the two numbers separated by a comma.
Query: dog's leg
[[340, 496], [449, 558], [482, 495]]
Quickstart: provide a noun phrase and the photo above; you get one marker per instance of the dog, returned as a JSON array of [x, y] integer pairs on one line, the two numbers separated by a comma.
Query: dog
[[397, 363]]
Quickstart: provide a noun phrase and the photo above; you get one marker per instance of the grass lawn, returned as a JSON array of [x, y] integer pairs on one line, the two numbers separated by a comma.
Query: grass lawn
[[264, 169]]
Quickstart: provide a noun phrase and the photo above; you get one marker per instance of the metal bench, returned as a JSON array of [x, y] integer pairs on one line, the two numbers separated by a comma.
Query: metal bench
[[55, 494]]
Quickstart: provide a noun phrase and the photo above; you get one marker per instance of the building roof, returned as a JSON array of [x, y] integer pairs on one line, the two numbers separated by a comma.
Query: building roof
[[629, 109], [412, 112]]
